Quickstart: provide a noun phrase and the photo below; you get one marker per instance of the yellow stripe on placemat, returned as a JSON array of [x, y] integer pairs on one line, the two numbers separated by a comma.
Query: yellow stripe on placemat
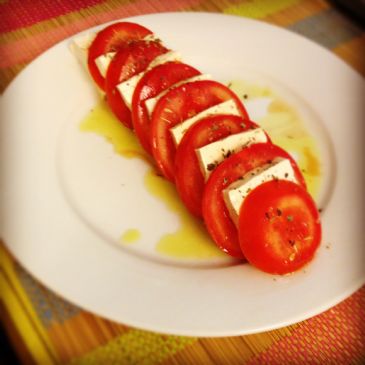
[[259, 8], [136, 347], [22, 313]]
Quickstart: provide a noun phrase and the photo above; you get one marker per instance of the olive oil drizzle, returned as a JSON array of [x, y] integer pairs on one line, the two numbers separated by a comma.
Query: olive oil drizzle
[[286, 128], [191, 241], [130, 236]]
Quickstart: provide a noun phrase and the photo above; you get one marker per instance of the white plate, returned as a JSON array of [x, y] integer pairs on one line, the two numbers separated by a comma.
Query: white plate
[[58, 237]]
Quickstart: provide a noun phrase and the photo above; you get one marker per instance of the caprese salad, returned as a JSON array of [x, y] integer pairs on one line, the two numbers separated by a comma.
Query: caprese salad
[[249, 192]]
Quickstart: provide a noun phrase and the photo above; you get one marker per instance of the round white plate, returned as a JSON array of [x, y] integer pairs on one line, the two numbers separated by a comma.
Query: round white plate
[[61, 236]]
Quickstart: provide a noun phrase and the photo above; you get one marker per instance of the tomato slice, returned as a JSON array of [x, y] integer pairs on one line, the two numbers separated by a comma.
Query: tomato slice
[[188, 175], [215, 213], [153, 83], [178, 105], [128, 62], [111, 39], [279, 228]]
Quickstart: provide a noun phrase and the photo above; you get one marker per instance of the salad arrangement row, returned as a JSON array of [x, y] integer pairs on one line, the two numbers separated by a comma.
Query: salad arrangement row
[[249, 192]]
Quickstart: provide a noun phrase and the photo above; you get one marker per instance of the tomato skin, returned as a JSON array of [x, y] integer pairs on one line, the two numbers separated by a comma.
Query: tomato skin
[[279, 228], [215, 213], [178, 105], [152, 83], [188, 176], [128, 62], [112, 38]]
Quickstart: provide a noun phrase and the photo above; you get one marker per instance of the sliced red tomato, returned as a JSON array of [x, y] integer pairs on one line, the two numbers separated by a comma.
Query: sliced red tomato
[[153, 83], [128, 62], [111, 39], [189, 178], [215, 213], [178, 105], [279, 228]]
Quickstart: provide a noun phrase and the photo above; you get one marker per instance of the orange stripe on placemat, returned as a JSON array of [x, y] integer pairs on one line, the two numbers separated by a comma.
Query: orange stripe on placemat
[[24, 50], [334, 337], [212, 351], [228, 350], [82, 334], [15, 14], [7, 74]]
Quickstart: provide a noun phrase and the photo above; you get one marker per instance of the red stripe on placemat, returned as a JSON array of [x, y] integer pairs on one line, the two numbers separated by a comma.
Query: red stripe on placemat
[[334, 337], [24, 50], [16, 14]]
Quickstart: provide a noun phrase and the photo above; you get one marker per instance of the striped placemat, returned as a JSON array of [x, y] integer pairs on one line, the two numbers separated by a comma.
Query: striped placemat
[[46, 329]]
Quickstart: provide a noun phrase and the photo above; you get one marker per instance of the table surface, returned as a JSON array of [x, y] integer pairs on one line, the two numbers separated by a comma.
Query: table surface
[[45, 329]]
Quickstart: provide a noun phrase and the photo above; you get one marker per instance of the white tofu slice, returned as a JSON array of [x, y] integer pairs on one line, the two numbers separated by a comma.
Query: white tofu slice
[[227, 107], [235, 193], [214, 153], [151, 103], [126, 88]]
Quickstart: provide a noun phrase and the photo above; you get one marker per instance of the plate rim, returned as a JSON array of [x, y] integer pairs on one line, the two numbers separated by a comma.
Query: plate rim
[[334, 301]]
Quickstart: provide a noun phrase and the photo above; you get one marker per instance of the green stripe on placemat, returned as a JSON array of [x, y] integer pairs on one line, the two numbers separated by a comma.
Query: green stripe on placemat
[[328, 28]]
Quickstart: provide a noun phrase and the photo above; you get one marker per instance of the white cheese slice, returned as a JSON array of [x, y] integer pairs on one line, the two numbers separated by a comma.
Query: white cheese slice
[[235, 193], [227, 107], [126, 88], [79, 48], [102, 62], [80, 45], [151, 103], [214, 153]]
